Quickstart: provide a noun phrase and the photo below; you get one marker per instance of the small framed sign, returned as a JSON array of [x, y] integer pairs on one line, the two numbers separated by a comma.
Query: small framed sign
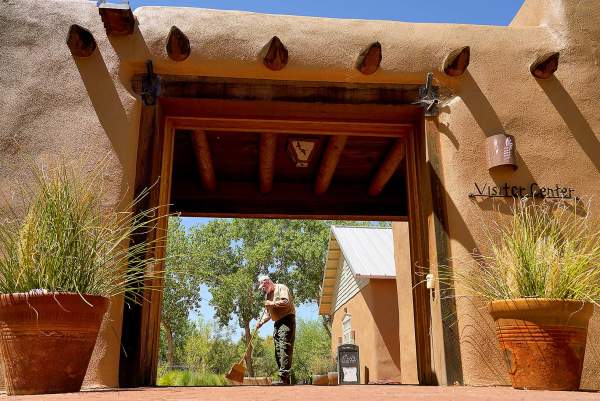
[[348, 364]]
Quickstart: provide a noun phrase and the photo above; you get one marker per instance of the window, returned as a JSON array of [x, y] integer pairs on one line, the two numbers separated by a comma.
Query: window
[[348, 338]]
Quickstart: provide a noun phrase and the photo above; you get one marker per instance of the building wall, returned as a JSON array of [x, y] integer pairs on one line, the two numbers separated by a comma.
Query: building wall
[[346, 285], [374, 312], [54, 106]]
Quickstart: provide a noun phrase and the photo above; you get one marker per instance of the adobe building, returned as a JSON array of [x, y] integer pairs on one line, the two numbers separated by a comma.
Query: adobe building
[[242, 114], [359, 295]]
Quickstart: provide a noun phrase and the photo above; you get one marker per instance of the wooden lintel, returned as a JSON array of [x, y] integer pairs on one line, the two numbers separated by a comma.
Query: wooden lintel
[[178, 45], [387, 168], [81, 42], [545, 65], [266, 162], [118, 19], [457, 61], [369, 60], [276, 56], [204, 160], [331, 157]]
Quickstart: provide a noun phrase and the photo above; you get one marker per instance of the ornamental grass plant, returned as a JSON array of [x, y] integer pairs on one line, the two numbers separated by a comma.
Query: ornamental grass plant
[[546, 250], [68, 242]]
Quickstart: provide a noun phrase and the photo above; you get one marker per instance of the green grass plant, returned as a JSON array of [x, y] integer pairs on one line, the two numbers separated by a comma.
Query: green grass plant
[[546, 250], [67, 241], [183, 378]]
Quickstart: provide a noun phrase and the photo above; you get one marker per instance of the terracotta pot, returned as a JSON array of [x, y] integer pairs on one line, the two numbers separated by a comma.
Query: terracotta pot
[[543, 341], [47, 340], [333, 378], [320, 380]]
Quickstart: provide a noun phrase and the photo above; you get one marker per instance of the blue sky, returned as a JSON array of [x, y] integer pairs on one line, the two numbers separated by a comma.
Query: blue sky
[[482, 12]]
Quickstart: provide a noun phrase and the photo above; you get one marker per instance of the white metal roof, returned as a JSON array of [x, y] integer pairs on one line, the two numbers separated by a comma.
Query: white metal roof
[[368, 251]]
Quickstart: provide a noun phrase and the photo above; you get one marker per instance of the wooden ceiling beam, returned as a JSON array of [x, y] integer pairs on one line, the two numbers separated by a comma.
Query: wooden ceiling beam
[[178, 45], [331, 157], [81, 42], [387, 168], [204, 161], [457, 61], [545, 65], [369, 60], [276, 56], [266, 161], [117, 18]]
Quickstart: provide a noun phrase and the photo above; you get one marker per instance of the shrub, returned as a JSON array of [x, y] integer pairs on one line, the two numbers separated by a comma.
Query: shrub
[[545, 251], [68, 242]]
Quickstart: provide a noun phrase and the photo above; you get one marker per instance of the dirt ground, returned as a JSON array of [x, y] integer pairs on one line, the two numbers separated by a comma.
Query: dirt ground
[[316, 393]]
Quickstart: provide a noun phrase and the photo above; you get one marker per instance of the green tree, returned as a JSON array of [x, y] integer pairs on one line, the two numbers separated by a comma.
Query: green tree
[[181, 294], [312, 350]]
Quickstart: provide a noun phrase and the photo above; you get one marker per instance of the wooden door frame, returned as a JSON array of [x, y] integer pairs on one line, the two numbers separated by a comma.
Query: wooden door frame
[[141, 323]]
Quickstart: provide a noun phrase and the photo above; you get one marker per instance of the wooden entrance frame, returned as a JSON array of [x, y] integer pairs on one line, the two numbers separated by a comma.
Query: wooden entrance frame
[[273, 106]]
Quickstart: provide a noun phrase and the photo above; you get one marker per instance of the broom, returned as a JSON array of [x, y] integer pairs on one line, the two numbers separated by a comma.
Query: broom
[[238, 370]]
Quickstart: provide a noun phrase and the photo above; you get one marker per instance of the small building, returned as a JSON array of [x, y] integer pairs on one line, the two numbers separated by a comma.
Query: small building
[[359, 294]]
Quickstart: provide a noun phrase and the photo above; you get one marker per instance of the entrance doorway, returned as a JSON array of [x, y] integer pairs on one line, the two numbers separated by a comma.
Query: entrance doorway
[[273, 149]]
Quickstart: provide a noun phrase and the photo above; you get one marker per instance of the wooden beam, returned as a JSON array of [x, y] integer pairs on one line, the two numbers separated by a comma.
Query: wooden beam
[[387, 168], [369, 60], [178, 45], [81, 42], [457, 61], [118, 19], [545, 65], [266, 161], [331, 157], [276, 56], [204, 160]]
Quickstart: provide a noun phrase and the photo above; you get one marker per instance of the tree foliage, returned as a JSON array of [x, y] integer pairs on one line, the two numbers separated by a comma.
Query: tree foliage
[[181, 293]]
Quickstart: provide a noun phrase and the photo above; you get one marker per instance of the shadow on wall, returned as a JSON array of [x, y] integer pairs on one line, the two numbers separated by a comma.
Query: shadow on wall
[[133, 52], [489, 122], [107, 104], [571, 115], [477, 326]]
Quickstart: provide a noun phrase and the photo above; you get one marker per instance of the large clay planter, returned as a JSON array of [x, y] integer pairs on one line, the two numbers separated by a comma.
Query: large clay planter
[[47, 340], [543, 341]]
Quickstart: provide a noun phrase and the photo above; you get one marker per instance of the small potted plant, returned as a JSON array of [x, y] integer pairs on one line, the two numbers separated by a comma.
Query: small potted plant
[[542, 279], [332, 373], [60, 264]]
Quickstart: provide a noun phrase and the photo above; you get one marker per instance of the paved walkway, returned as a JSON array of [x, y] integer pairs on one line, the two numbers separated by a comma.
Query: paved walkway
[[315, 393]]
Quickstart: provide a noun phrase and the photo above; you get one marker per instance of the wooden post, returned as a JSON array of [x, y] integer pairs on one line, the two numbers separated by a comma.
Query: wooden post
[[457, 61], [81, 42], [266, 161], [369, 60], [204, 161], [331, 157], [178, 45], [277, 55], [545, 66], [387, 168]]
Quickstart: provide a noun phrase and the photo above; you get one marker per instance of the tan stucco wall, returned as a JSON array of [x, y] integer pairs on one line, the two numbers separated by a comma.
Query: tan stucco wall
[[374, 312], [52, 105]]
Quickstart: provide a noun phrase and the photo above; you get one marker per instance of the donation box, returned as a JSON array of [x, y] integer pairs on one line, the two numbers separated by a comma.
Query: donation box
[[348, 364]]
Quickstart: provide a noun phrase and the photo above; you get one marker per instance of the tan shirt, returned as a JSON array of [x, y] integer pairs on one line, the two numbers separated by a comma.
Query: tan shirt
[[284, 303]]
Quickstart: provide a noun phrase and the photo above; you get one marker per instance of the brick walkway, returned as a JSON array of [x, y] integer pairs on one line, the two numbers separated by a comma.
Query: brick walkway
[[314, 393]]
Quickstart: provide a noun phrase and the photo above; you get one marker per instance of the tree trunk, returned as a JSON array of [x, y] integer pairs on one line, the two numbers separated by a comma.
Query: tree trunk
[[170, 346], [248, 332], [326, 320]]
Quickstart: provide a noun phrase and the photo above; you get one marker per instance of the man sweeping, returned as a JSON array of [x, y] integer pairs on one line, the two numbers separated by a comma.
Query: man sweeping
[[280, 308]]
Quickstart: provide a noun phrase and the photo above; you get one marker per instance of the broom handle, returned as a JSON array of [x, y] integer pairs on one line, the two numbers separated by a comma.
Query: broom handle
[[251, 338]]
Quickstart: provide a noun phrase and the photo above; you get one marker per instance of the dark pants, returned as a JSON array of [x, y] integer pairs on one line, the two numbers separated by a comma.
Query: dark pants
[[283, 339]]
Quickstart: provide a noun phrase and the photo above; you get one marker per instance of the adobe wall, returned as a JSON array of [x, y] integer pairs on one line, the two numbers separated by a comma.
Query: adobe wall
[[54, 106], [374, 312]]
